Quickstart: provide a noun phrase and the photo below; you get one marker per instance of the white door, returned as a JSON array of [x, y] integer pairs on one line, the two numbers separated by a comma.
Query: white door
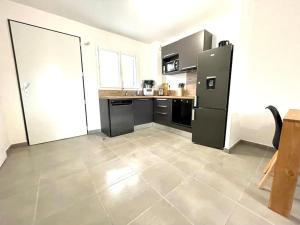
[[51, 83]]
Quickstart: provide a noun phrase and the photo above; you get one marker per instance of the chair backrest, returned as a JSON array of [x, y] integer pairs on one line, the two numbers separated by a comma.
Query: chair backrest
[[278, 125]]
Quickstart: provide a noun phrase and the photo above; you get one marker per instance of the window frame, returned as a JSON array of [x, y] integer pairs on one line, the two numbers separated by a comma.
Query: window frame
[[119, 53]]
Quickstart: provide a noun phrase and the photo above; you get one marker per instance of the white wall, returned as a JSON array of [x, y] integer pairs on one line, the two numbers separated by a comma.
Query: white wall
[[3, 136], [266, 67], [273, 71], [8, 82]]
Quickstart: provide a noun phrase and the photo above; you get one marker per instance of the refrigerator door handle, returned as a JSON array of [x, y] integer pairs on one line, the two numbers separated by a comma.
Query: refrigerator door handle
[[193, 114], [196, 101]]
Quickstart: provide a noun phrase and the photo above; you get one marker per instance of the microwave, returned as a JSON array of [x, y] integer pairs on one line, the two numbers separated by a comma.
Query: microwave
[[171, 66]]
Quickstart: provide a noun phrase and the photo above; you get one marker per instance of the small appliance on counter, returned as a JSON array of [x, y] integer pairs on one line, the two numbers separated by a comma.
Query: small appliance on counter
[[148, 87], [223, 43], [180, 89], [170, 63]]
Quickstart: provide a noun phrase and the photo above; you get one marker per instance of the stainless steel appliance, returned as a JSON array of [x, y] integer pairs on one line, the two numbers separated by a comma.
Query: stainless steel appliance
[[171, 66], [212, 94], [148, 87], [182, 111]]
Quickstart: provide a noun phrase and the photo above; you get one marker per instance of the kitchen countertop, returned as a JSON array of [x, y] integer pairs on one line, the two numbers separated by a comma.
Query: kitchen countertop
[[138, 97]]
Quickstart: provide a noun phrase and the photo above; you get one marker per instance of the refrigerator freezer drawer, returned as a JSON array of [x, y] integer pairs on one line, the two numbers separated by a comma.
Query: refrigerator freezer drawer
[[209, 127]]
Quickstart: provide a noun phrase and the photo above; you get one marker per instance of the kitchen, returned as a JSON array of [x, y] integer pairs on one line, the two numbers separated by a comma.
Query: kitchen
[[142, 112], [206, 98]]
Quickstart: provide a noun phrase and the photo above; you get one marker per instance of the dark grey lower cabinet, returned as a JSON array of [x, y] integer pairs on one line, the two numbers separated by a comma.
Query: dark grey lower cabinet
[[163, 111], [143, 111]]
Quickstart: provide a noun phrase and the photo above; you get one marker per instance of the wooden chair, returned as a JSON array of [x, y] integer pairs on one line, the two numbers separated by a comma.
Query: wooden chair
[[278, 126]]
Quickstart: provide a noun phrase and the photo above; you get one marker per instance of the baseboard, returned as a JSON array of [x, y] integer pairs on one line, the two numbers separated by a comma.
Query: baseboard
[[14, 146], [3, 156], [173, 130], [228, 150], [94, 131], [143, 126], [258, 145]]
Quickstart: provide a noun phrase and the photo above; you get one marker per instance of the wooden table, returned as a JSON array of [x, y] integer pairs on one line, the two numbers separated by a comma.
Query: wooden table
[[287, 165]]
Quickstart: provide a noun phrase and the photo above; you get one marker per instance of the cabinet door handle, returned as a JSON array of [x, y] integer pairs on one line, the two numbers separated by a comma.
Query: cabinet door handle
[[171, 54], [161, 113], [189, 67], [162, 106], [161, 99]]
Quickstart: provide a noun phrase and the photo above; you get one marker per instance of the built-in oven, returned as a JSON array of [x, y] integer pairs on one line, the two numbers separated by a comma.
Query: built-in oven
[[182, 112]]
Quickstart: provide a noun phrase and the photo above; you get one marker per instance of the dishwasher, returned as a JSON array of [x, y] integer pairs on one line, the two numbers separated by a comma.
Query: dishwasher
[[121, 117]]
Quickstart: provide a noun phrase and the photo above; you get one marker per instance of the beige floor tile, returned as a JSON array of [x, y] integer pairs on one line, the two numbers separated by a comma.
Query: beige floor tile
[[227, 181], [95, 158], [257, 201], [141, 159], [188, 164], [200, 203], [66, 168], [162, 213], [9, 185], [114, 141], [18, 209], [163, 177], [125, 148], [163, 151], [125, 200], [245, 217], [109, 173], [69, 172], [64, 192], [84, 212]]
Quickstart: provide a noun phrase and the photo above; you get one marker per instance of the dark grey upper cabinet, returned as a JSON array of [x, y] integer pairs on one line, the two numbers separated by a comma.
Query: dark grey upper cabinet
[[170, 50], [188, 49], [143, 111]]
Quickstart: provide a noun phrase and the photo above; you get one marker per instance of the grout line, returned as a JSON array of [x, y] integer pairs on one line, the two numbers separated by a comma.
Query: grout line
[[141, 214], [164, 198], [105, 209], [237, 203], [36, 201]]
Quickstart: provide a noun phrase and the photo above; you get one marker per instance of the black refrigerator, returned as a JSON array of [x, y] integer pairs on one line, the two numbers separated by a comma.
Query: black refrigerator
[[212, 94]]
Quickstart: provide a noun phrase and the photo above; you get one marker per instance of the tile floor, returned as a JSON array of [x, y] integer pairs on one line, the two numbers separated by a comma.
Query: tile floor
[[149, 177]]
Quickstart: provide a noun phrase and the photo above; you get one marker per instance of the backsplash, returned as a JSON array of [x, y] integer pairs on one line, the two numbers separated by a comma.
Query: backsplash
[[190, 80]]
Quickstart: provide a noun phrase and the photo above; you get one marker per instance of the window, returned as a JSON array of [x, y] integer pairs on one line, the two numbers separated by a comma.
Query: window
[[128, 71], [117, 70], [109, 69]]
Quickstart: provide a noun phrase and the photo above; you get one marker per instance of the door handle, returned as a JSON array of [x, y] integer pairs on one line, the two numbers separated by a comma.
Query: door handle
[[161, 113], [189, 67], [196, 101], [193, 114]]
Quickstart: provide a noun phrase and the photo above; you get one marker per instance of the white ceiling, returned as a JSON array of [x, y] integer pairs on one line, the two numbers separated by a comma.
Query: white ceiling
[[143, 20]]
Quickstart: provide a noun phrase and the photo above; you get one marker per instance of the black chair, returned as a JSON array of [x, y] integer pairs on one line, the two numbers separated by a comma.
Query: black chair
[[276, 139], [278, 125]]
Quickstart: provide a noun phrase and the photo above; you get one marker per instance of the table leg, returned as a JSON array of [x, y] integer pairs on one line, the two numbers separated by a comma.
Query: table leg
[[286, 169]]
